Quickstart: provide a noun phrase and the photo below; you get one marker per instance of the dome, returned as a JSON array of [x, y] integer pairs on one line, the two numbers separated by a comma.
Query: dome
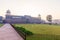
[[8, 11]]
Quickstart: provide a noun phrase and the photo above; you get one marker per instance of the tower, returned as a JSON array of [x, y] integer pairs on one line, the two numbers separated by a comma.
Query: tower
[[8, 16], [8, 12], [39, 16]]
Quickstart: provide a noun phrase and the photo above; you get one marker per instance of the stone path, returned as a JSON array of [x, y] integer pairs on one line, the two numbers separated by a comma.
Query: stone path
[[8, 33]]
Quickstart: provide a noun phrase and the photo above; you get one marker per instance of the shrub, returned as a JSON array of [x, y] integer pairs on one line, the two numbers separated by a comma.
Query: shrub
[[26, 32]]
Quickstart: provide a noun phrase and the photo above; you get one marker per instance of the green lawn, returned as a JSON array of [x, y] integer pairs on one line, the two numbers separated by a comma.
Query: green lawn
[[1, 25], [42, 31]]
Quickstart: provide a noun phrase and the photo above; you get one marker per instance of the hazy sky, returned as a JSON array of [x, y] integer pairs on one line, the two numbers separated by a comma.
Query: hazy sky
[[31, 7]]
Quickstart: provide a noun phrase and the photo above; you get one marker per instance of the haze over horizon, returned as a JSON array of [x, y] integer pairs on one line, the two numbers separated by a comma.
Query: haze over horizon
[[31, 7]]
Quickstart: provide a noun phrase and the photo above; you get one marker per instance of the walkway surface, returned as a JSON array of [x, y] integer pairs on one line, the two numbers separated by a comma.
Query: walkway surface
[[7, 32]]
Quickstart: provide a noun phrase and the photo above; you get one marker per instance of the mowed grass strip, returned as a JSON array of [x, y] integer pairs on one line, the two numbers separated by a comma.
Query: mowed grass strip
[[42, 31], [1, 25]]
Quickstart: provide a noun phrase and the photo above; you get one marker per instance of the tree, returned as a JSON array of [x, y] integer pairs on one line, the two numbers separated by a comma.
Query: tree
[[49, 19]]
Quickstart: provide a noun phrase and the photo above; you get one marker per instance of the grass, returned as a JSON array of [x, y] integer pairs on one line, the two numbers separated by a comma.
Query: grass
[[42, 31], [1, 25]]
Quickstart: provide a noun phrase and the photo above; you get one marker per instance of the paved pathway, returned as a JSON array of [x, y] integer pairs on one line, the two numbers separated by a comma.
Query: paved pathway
[[8, 33]]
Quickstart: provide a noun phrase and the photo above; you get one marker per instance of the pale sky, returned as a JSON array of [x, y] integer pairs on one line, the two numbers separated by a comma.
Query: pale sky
[[31, 7]]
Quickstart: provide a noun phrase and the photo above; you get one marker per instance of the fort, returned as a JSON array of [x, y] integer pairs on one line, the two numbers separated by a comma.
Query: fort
[[20, 19]]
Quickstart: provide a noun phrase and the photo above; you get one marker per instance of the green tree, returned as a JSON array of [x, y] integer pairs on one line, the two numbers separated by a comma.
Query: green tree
[[49, 19]]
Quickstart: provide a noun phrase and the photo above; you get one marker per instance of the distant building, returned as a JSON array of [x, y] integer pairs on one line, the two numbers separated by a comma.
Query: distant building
[[13, 18], [21, 19], [56, 21]]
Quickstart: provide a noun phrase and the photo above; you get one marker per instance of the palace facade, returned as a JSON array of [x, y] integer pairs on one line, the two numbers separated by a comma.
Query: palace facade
[[21, 19]]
